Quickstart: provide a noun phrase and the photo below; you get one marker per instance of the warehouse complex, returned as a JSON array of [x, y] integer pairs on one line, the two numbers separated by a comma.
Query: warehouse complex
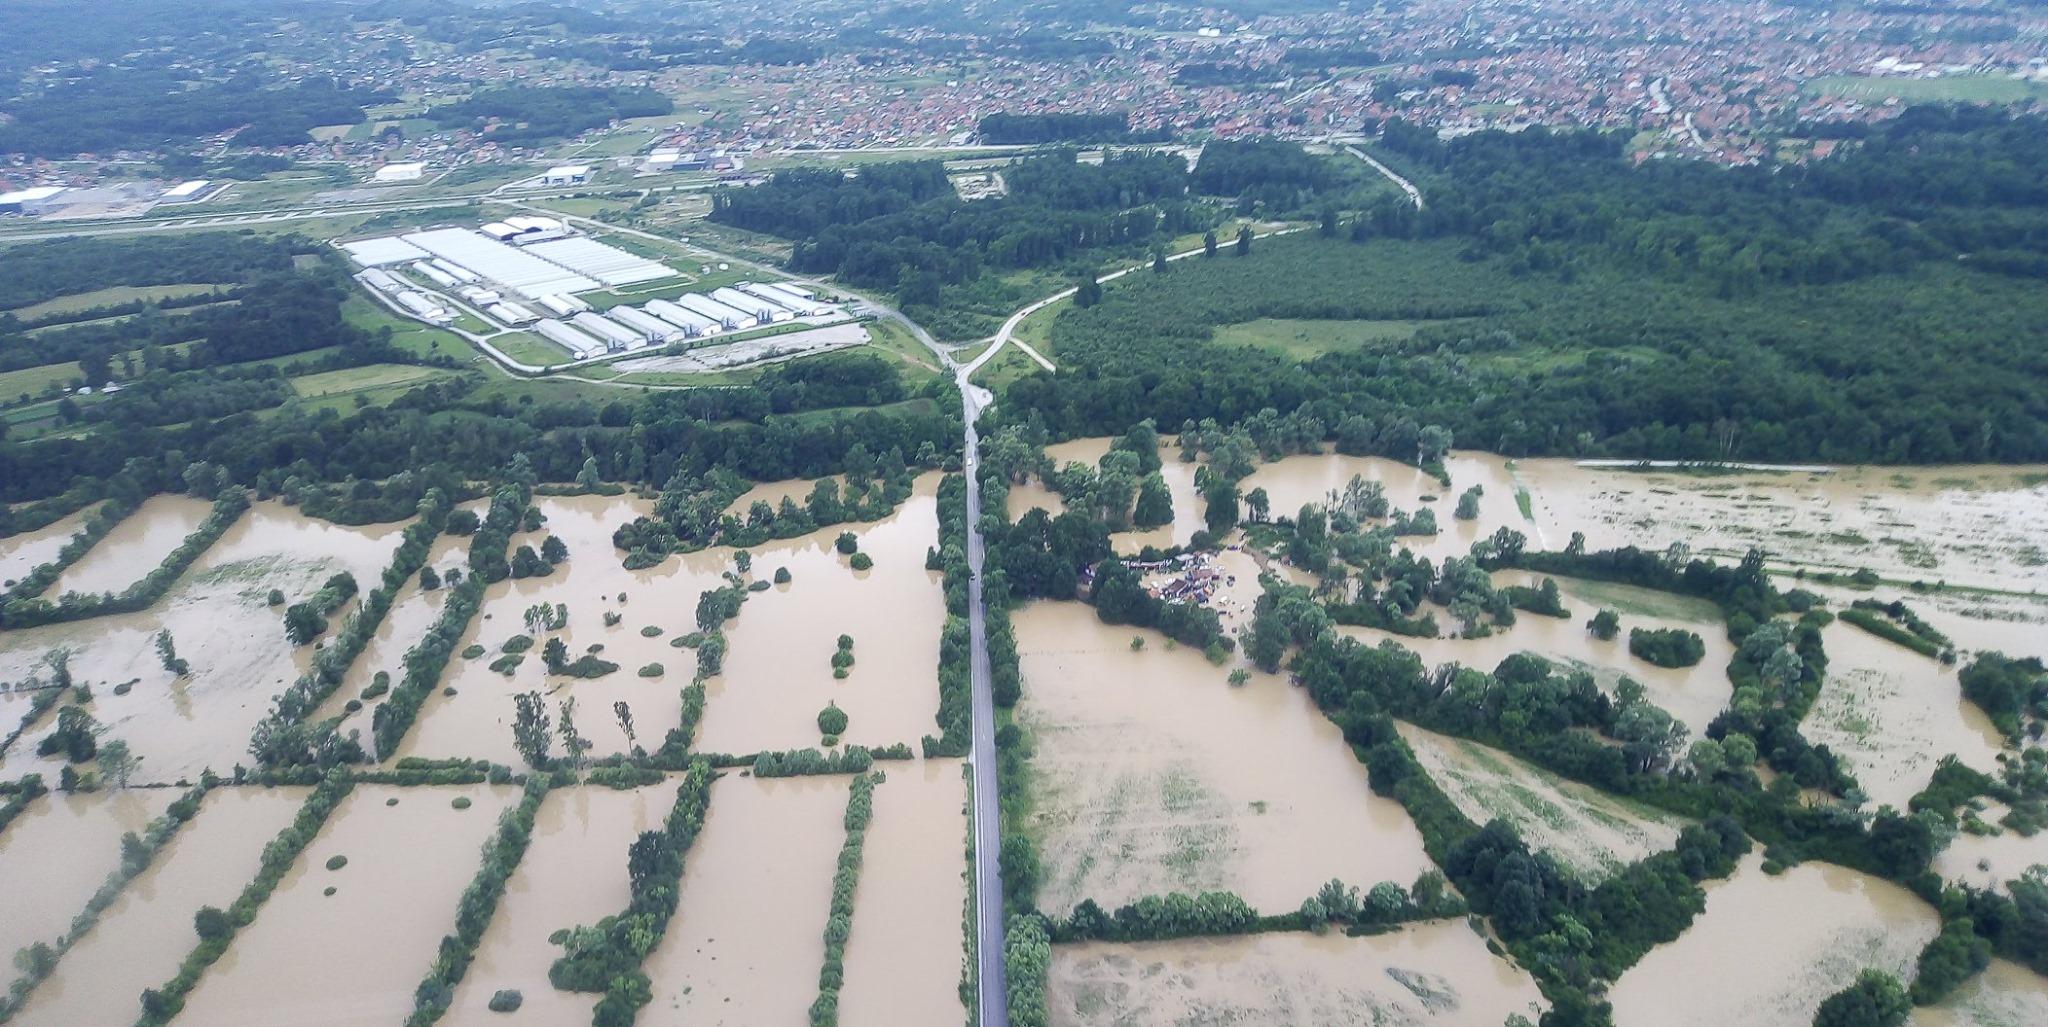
[[528, 272]]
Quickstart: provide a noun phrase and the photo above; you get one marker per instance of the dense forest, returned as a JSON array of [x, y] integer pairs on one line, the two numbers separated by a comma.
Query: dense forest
[[524, 115], [115, 110]]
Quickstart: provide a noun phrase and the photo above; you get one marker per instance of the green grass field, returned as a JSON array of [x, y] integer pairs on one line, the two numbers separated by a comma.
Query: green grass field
[[406, 334], [361, 379], [1951, 88], [29, 382], [528, 348], [109, 296], [1308, 339], [893, 340]]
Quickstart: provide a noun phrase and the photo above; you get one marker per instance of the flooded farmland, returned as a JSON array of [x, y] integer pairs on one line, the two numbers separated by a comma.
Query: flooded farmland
[[1430, 973], [134, 548], [66, 845], [747, 943], [22, 553], [903, 956], [1825, 924], [574, 872], [354, 957], [1180, 484], [2004, 995], [142, 937], [1590, 833], [1152, 775]]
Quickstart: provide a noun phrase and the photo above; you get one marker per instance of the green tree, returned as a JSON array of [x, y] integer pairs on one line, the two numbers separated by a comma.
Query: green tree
[[574, 744], [1875, 1000], [532, 730], [118, 763], [1244, 242], [1209, 244], [1605, 625], [1155, 503], [832, 720]]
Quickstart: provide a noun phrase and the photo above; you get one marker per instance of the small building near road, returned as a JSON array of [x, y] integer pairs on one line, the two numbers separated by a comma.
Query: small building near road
[[409, 171], [566, 174]]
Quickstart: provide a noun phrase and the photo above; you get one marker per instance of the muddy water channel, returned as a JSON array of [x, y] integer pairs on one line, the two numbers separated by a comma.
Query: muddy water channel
[[574, 872], [1768, 950], [354, 957], [903, 957], [748, 937], [413, 611], [143, 936], [220, 620], [1431, 973], [57, 853], [24, 552], [1152, 774]]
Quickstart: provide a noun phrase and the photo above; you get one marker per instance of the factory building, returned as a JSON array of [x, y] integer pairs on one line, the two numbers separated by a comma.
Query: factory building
[[30, 202], [434, 274], [656, 330], [566, 174], [615, 335], [410, 171], [692, 323], [715, 310], [423, 307], [511, 313], [581, 344], [759, 309], [184, 192], [567, 306], [381, 280]]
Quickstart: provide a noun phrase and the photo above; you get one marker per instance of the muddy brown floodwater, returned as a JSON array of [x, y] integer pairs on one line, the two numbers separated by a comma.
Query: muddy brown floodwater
[[574, 873], [748, 937], [1430, 973], [218, 616], [1768, 950], [2004, 995], [354, 957], [24, 552], [778, 664], [477, 720], [903, 955], [59, 851], [1152, 774], [1180, 483], [147, 932], [135, 546], [413, 611]]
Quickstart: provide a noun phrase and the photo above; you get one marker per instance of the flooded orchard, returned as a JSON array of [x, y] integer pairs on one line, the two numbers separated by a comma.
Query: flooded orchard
[[1152, 774], [354, 957], [1430, 973], [573, 873], [143, 936], [748, 939], [1824, 925]]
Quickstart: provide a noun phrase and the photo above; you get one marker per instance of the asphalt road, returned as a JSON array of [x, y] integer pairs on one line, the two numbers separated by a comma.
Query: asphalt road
[[992, 994]]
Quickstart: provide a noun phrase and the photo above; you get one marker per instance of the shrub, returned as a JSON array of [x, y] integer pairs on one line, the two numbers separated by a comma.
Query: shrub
[[460, 802], [471, 652], [336, 862], [832, 720], [650, 631], [506, 1001], [861, 562], [1605, 625], [847, 543], [653, 670], [782, 575], [1666, 647]]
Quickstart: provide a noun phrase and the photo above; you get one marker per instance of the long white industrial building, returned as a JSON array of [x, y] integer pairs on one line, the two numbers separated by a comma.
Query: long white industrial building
[[581, 344], [607, 264], [653, 327], [509, 266], [611, 331], [756, 308], [715, 310], [802, 306], [691, 322]]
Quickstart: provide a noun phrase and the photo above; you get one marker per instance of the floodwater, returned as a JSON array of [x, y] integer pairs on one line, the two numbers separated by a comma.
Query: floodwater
[[778, 664], [574, 873], [1180, 483], [2004, 995], [2016, 625], [477, 720], [24, 552], [1824, 925], [904, 954], [1430, 973], [1970, 525], [1297, 480], [1894, 714], [355, 957], [223, 627], [1152, 774], [412, 613], [1989, 861], [748, 937], [143, 937], [59, 851], [1589, 832], [135, 547], [1694, 695]]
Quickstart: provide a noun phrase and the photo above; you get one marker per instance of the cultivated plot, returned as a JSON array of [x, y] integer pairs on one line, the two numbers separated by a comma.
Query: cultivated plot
[[1590, 832], [1431, 973], [1152, 775], [354, 956]]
